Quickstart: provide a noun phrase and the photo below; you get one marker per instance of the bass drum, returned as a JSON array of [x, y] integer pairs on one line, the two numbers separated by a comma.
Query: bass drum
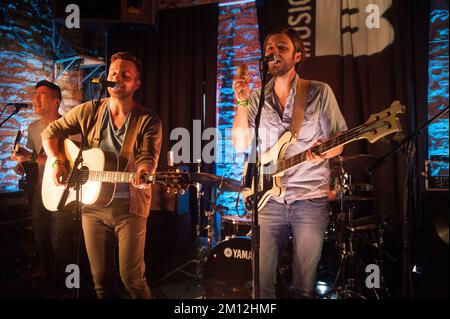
[[228, 270]]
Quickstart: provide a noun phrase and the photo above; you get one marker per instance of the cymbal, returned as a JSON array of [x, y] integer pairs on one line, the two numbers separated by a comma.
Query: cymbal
[[441, 225], [223, 183], [351, 163]]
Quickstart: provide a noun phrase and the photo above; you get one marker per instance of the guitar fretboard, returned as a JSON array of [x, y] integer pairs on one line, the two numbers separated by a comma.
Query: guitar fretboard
[[334, 142], [109, 176]]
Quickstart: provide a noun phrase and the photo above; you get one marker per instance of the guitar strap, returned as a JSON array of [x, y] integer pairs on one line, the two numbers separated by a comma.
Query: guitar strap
[[98, 123], [130, 137], [298, 113]]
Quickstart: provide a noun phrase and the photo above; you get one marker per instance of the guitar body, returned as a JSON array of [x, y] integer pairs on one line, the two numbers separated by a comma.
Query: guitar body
[[93, 192], [269, 185]]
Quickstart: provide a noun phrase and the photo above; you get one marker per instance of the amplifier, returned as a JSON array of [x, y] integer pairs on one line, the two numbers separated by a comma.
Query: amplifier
[[436, 174]]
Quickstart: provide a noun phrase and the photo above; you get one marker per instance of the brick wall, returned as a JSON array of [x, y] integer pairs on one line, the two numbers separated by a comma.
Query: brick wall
[[438, 143], [238, 42], [30, 43]]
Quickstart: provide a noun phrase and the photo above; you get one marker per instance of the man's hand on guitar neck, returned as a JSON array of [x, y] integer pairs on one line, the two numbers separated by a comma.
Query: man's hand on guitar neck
[[318, 158], [314, 157], [139, 181]]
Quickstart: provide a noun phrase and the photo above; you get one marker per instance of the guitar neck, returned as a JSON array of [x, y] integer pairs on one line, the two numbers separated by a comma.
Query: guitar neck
[[110, 176], [334, 142]]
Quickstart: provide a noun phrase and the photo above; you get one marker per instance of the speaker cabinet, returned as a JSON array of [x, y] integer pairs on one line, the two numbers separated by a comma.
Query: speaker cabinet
[[435, 218]]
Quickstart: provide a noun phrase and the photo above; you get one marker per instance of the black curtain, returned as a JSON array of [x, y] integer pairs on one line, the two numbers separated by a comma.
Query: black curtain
[[179, 66]]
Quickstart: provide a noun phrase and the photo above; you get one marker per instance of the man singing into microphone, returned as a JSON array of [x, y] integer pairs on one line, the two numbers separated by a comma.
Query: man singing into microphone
[[133, 133], [303, 211], [52, 231]]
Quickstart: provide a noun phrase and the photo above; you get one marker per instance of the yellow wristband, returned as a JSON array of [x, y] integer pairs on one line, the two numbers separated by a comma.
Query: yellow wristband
[[57, 162], [242, 103]]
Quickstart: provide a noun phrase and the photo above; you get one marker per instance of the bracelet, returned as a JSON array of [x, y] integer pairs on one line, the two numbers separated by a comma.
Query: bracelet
[[57, 162], [242, 103]]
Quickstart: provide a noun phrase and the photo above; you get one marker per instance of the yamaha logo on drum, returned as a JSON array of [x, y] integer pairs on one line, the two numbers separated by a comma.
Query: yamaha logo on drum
[[237, 253]]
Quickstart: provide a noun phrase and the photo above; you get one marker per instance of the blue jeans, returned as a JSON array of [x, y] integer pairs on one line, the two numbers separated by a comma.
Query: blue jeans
[[306, 220]]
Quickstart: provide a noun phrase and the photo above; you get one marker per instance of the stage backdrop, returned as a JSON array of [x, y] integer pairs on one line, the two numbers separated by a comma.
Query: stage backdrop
[[371, 52]]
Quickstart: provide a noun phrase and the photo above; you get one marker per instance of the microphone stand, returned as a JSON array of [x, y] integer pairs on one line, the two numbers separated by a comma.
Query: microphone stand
[[75, 181], [409, 142], [16, 110], [254, 171]]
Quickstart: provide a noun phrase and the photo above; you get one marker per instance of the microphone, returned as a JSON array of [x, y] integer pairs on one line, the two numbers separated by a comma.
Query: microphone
[[106, 83], [18, 105], [269, 58]]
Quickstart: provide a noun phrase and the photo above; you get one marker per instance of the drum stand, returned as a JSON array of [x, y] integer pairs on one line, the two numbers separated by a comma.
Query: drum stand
[[349, 260], [200, 254], [210, 215], [348, 264]]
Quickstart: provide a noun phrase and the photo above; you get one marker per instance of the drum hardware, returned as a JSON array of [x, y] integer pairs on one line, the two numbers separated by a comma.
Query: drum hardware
[[224, 185], [350, 277], [211, 221], [343, 228], [345, 283], [351, 164], [199, 251]]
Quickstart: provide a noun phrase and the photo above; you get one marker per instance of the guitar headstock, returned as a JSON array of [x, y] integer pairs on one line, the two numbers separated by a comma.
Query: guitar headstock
[[383, 123], [175, 180]]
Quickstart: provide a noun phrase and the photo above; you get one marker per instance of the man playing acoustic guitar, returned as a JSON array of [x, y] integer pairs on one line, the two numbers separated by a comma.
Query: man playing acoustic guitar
[[122, 127]]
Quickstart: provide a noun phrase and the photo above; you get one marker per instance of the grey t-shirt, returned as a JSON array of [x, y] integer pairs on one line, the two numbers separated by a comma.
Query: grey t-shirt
[[112, 141], [323, 119], [34, 141]]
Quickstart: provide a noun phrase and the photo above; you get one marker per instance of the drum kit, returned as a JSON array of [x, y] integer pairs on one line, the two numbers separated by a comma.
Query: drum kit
[[224, 268], [350, 227]]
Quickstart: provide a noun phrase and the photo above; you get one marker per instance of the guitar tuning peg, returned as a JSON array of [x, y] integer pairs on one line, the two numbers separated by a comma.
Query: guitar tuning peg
[[182, 192]]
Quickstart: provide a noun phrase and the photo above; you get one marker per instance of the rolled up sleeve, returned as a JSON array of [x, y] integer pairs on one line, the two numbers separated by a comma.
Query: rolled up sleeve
[[150, 147], [64, 126]]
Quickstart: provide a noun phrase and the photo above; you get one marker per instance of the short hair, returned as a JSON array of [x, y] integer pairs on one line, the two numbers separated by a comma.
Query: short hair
[[56, 90], [129, 57], [296, 39]]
